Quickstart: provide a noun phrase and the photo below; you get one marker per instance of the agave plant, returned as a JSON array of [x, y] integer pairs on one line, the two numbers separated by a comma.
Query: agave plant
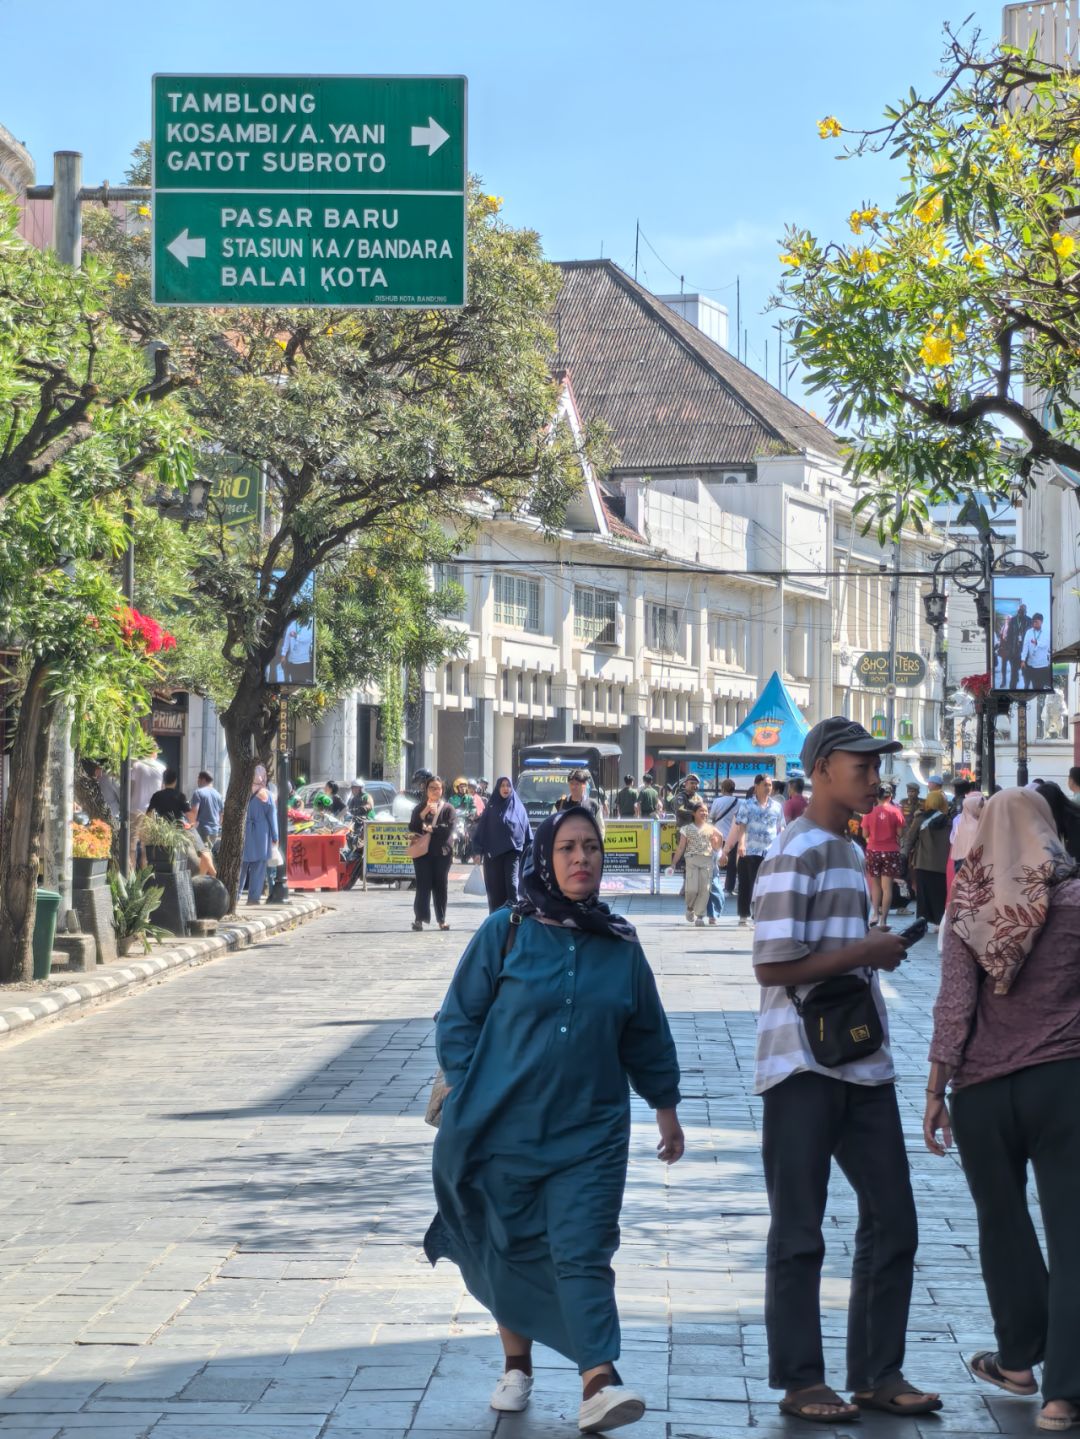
[[135, 897]]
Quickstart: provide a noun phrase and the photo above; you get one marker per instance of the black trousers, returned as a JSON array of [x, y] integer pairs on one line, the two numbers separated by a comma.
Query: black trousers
[[749, 864], [731, 872], [1000, 1126], [810, 1120], [930, 894], [501, 878], [432, 875]]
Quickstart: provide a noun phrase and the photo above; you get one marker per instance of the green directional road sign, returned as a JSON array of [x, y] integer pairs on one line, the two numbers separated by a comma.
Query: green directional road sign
[[331, 190]]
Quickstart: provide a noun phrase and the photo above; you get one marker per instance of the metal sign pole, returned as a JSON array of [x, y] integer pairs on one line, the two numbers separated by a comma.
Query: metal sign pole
[[280, 892]]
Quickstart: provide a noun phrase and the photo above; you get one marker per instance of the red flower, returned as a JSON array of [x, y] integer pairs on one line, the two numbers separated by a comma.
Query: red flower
[[149, 634], [978, 686]]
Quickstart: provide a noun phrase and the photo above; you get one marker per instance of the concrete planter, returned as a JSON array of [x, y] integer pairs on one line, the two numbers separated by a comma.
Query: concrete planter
[[91, 900]]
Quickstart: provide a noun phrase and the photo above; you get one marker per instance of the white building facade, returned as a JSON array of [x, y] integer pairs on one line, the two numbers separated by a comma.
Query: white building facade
[[721, 548]]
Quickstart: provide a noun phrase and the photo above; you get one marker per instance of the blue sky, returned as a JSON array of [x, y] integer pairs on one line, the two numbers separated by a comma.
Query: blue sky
[[696, 118]]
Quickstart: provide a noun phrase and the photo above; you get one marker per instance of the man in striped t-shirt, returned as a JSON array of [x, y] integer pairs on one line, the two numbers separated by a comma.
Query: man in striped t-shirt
[[811, 909]]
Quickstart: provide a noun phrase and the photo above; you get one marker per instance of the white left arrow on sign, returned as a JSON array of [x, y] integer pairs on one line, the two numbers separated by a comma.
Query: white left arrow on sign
[[432, 135], [185, 247]]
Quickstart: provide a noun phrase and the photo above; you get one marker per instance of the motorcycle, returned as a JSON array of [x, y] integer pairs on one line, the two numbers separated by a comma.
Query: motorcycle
[[352, 853], [461, 839]]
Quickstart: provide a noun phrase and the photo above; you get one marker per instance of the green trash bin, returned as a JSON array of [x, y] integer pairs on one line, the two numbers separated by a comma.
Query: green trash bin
[[48, 907]]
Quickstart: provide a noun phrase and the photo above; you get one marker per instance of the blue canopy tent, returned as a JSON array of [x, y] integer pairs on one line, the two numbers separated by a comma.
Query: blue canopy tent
[[769, 741]]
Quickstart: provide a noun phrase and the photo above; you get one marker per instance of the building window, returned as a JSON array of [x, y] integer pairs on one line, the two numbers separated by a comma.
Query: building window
[[452, 575], [595, 615], [517, 603], [466, 678], [665, 629], [549, 689], [521, 685], [506, 684], [536, 689]]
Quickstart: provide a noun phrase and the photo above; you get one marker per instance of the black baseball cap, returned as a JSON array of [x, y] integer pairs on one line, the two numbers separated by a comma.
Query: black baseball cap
[[840, 733]]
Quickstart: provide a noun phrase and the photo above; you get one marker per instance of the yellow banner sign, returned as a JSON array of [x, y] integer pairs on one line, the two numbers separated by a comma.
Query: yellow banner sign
[[386, 843]]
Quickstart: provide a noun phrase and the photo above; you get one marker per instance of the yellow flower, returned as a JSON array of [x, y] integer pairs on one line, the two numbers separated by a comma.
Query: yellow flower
[[122, 279], [868, 262], [938, 251], [930, 209], [144, 211], [976, 258], [858, 218], [1063, 244], [935, 349], [958, 333], [1076, 157], [829, 128], [792, 260]]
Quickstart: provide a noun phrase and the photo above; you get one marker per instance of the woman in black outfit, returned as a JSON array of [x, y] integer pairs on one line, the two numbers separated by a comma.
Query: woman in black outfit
[[432, 816]]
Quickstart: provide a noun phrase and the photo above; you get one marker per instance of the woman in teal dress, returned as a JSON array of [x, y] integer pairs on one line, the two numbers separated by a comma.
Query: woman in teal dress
[[543, 1031]]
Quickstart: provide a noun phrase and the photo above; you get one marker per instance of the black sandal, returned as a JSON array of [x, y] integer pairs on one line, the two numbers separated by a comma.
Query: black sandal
[[986, 1365], [823, 1397], [885, 1397]]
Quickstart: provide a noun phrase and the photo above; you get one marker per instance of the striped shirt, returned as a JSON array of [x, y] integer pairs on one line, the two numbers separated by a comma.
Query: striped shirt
[[810, 898]]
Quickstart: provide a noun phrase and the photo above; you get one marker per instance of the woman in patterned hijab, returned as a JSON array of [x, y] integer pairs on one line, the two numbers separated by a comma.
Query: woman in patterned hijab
[[1007, 1041]]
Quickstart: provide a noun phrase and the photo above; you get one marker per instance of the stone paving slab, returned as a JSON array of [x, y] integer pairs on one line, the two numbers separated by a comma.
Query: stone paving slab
[[212, 1200], [108, 981]]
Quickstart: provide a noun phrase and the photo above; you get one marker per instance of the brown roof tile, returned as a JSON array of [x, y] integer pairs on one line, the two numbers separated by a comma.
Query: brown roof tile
[[671, 396]]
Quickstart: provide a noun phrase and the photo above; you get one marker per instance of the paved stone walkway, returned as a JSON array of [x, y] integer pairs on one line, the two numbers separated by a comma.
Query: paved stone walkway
[[212, 1196]]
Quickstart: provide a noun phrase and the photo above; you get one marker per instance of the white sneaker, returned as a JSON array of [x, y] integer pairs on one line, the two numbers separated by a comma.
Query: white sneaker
[[743, 923], [699, 923], [611, 1408], [512, 1392], [689, 916]]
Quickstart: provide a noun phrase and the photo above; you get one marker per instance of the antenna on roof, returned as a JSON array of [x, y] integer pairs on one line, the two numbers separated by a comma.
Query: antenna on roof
[[682, 286], [738, 318], [637, 238]]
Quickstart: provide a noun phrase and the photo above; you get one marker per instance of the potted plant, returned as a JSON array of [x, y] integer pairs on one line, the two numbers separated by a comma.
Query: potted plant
[[163, 842], [91, 845], [135, 897]]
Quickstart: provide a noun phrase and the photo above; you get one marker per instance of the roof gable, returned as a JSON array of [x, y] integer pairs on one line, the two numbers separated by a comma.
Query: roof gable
[[671, 396]]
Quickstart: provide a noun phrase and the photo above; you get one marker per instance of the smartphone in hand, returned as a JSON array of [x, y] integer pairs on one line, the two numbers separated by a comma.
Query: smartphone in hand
[[912, 933]]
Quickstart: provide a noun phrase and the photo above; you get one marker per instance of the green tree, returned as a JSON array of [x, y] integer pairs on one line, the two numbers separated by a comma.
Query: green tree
[[377, 430], [61, 605], [81, 420], [956, 309]]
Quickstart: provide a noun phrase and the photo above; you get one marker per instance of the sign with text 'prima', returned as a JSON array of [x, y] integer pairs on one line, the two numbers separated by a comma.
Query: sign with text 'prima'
[[289, 190]]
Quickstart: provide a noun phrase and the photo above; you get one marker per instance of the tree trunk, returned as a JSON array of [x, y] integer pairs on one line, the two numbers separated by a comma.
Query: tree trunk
[[250, 724], [22, 827]]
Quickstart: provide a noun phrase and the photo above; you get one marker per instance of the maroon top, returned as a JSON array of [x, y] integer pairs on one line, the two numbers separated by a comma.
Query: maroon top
[[794, 807], [1037, 1022]]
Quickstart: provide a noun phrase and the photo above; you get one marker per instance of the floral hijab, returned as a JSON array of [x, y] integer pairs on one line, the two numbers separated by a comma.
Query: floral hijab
[[1001, 897], [544, 898]]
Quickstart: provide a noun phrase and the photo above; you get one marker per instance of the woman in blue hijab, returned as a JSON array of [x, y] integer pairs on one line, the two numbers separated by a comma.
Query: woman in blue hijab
[[551, 1017], [502, 835]]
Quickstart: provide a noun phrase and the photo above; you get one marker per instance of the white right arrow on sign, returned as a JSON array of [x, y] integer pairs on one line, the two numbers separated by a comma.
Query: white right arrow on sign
[[432, 135], [186, 248]]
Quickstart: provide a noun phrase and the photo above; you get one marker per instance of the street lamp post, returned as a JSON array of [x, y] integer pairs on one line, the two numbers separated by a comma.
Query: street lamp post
[[972, 570]]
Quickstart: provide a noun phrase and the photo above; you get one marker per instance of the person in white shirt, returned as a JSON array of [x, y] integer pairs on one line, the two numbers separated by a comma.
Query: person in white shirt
[[722, 815], [1035, 656]]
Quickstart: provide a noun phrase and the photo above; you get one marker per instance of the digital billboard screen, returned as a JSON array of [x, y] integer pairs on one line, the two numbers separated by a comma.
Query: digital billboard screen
[[1023, 646], [293, 663]]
